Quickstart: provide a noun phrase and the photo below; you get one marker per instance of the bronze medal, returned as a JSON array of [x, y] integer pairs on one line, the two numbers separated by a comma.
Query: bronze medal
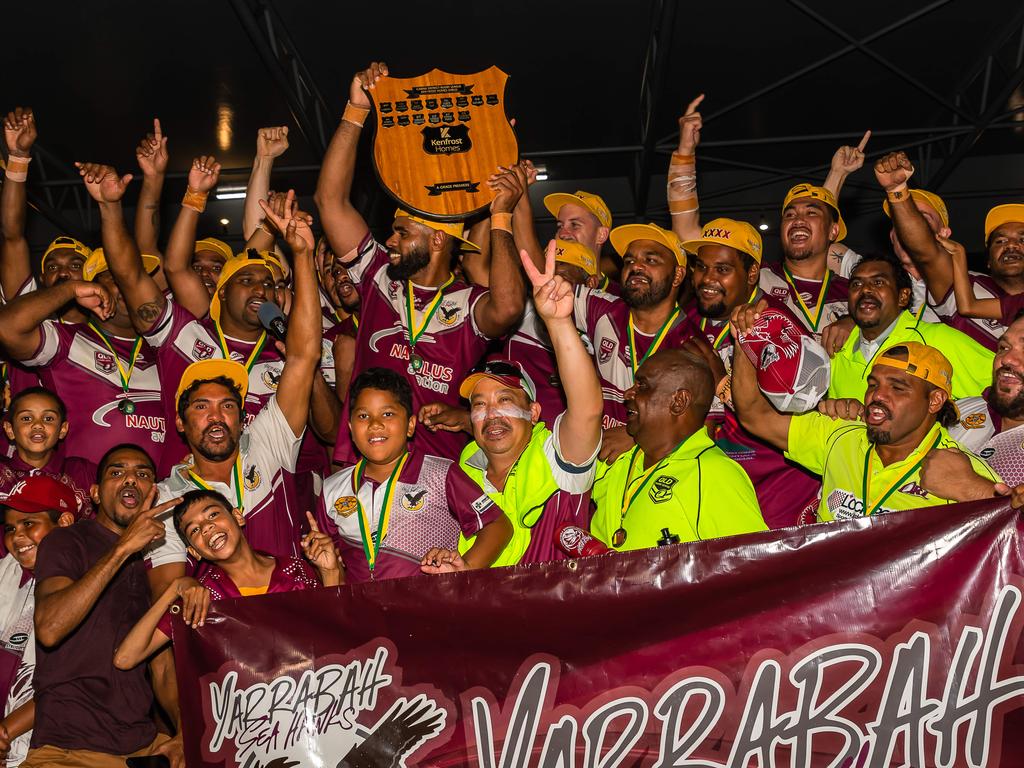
[[619, 537], [126, 406]]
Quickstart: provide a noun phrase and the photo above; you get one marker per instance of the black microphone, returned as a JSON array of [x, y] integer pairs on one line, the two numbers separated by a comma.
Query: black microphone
[[272, 318]]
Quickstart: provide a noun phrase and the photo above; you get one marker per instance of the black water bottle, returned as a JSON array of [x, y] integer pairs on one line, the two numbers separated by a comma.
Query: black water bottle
[[667, 538]]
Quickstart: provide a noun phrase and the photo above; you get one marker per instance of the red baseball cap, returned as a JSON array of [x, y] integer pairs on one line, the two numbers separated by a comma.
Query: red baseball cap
[[41, 493]]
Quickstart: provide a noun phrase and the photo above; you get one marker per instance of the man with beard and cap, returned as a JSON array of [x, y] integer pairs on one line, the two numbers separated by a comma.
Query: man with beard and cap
[[676, 484], [991, 424], [871, 466], [109, 369], [726, 261], [1004, 241], [90, 589], [626, 330], [811, 292], [415, 317], [539, 475], [248, 468], [880, 294]]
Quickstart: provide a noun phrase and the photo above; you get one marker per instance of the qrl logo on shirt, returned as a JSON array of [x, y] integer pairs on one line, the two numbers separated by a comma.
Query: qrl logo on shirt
[[607, 349], [661, 488], [201, 350], [105, 363], [913, 489]]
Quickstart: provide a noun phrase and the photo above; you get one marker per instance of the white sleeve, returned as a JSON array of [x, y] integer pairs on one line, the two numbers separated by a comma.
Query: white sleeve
[[271, 440], [849, 261], [573, 478], [170, 549], [48, 348]]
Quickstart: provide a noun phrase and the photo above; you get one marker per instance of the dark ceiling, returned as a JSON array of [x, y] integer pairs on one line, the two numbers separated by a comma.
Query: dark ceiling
[[99, 71]]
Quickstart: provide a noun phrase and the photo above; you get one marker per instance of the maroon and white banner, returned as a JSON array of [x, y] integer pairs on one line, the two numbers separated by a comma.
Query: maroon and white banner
[[892, 641]]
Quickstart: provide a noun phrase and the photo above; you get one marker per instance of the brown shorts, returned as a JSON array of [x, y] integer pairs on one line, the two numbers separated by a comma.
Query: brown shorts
[[55, 757]]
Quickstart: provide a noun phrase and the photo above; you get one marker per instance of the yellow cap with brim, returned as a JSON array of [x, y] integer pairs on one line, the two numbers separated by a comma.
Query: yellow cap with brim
[[231, 266], [96, 264], [930, 199], [452, 229], [593, 203], [923, 362], [729, 232], [69, 243], [205, 370], [622, 236], [273, 260], [215, 245], [816, 193], [1003, 214], [577, 254]]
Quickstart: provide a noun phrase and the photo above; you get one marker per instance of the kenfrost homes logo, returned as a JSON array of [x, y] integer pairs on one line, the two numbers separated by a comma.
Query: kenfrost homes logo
[[922, 698], [349, 711]]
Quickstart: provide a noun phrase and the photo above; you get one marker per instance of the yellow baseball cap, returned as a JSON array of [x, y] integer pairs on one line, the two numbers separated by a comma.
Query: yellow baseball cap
[[588, 200], [923, 362], [215, 245], [818, 193], [622, 236], [930, 199], [1002, 214], [577, 254], [97, 264], [65, 242], [452, 229], [730, 232], [204, 370], [231, 266]]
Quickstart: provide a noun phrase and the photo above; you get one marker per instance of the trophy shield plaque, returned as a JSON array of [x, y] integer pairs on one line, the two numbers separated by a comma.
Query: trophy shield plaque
[[439, 136]]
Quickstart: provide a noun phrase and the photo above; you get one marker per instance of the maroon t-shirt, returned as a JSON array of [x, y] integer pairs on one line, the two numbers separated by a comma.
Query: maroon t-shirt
[[985, 331], [82, 700], [73, 361], [450, 346]]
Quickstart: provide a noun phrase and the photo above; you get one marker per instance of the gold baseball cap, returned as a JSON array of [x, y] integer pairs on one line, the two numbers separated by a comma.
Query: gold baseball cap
[[577, 254], [231, 266], [205, 370], [65, 242], [588, 200], [1002, 214], [732, 233], [817, 193], [452, 229], [97, 264], [923, 362], [215, 245], [622, 236], [930, 199]]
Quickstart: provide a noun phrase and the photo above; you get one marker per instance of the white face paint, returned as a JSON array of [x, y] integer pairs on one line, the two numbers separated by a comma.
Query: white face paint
[[500, 412]]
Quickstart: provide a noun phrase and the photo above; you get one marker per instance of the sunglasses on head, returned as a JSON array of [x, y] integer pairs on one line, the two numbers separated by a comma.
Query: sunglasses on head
[[500, 368]]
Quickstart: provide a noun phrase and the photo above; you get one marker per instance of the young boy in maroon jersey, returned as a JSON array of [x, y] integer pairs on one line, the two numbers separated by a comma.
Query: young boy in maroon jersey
[[212, 531]]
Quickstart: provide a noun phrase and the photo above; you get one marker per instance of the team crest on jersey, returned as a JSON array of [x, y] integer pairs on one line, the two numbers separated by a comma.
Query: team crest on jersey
[[844, 505], [345, 505], [414, 499], [271, 377], [661, 488], [104, 363], [448, 312], [393, 289], [17, 640], [913, 489], [973, 421], [607, 349], [780, 293], [201, 350], [252, 479]]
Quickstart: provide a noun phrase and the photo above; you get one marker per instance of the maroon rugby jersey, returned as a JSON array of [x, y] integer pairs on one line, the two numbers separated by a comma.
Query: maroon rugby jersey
[[605, 320], [74, 362], [531, 348], [776, 287], [451, 344], [984, 331], [434, 500]]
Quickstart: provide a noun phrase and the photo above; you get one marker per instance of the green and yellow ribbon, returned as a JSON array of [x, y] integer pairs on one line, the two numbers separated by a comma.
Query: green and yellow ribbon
[[871, 508], [415, 331], [261, 342], [236, 474], [125, 376], [371, 541], [658, 338], [812, 318]]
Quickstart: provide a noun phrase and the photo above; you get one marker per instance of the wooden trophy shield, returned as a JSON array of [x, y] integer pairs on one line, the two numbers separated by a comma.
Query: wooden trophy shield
[[439, 136]]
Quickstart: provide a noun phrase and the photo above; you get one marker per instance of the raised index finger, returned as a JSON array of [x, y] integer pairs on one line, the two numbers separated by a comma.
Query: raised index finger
[[692, 106], [157, 133], [530, 268], [312, 522], [864, 141]]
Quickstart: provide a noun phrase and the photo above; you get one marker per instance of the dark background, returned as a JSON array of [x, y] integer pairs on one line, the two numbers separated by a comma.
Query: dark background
[[786, 83]]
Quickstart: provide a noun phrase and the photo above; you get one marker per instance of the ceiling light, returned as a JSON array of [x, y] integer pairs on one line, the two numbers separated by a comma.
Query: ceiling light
[[542, 171], [230, 192], [225, 222], [763, 226]]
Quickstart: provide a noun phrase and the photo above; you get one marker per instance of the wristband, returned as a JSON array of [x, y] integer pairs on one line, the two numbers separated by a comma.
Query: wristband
[[194, 200], [502, 221], [898, 195], [17, 167], [355, 114]]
